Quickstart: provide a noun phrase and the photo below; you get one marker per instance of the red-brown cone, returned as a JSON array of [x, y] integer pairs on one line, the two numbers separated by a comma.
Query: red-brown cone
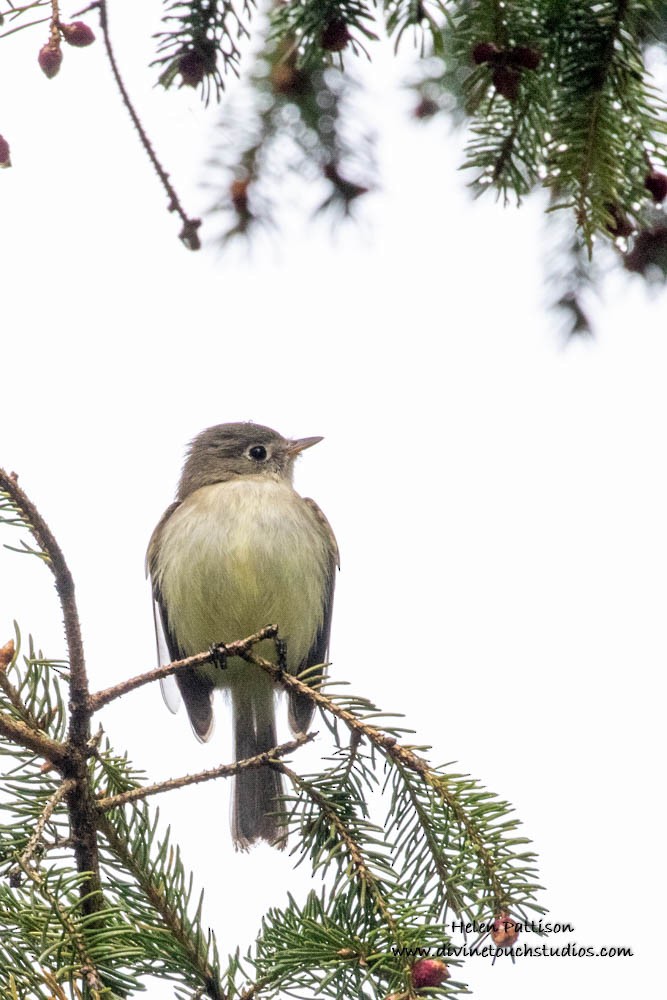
[[5, 161], [335, 36], [484, 52], [506, 81], [525, 57], [504, 932], [429, 972], [192, 67], [50, 58], [286, 79], [77, 33], [238, 192], [656, 183], [426, 108]]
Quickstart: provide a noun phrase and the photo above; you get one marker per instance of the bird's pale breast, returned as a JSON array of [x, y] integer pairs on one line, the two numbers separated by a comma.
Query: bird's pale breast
[[239, 555]]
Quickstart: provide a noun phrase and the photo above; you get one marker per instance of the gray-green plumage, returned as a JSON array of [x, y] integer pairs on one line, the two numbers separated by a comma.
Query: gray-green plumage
[[237, 550]]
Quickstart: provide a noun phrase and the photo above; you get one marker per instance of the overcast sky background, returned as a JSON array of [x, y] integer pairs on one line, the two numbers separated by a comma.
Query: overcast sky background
[[497, 496]]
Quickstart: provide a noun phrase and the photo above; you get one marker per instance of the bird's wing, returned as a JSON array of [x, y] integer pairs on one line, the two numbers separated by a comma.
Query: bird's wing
[[168, 685], [194, 689], [301, 708]]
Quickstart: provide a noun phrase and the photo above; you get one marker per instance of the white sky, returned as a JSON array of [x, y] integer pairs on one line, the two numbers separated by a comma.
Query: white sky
[[496, 496]]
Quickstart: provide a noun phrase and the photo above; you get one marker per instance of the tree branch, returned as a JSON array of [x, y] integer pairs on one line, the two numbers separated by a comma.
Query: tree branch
[[154, 893], [222, 771], [363, 873], [72, 762], [189, 233], [238, 648], [40, 744], [60, 793], [401, 755]]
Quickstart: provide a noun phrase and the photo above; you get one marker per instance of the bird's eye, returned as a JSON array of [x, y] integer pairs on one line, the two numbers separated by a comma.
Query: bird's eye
[[257, 452]]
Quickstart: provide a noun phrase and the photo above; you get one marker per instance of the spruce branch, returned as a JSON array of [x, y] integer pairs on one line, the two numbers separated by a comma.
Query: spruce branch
[[132, 854], [458, 795], [72, 925], [199, 36], [340, 829]]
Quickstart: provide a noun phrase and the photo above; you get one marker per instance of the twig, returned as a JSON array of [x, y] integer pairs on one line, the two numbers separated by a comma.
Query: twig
[[59, 794], [389, 744], [189, 233], [55, 24], [222, 771], [238, 648]]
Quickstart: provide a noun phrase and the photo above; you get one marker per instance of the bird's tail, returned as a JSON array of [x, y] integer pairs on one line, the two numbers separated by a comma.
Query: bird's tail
[[257, 811]]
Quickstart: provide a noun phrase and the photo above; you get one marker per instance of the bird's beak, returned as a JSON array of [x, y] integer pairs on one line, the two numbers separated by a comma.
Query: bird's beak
[[296, 447]]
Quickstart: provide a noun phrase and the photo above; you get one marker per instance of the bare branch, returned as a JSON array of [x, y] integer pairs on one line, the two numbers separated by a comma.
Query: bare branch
[[238, 648], [389, 744], [222, 771], [189, 233]]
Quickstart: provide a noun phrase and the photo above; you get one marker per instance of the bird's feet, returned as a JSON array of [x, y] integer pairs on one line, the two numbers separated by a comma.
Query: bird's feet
[[218, 655], [281, 654]]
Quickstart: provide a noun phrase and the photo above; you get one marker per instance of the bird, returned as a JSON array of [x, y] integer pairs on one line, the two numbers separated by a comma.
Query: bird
[[238, 549]]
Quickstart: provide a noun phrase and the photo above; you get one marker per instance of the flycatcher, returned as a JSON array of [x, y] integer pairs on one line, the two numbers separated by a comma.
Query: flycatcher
[[239, 549]]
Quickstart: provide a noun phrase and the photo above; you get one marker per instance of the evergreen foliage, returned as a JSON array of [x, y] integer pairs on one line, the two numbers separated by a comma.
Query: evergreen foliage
[[95, 905], [554, 94]]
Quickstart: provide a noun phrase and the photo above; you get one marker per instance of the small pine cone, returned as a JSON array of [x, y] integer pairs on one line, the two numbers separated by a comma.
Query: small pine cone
[[525, 57], [192, 67], [649, 253], [5, 161], [49, 58], [656, 183], [335, 36], [506, 80], [77, 33], [238, 192], [429, 972], [505, 931], [426, 108], [286, 79], [485, 52]]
